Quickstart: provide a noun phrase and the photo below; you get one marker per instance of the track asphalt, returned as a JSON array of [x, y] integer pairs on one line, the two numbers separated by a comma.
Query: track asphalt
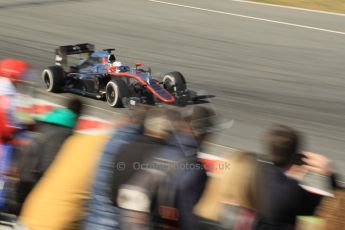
[[265, 65]]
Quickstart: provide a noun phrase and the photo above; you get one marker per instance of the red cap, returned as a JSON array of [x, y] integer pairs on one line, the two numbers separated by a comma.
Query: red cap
[[14, 69]]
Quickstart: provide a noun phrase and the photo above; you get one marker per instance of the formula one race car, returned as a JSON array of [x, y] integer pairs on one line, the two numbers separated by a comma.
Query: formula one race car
[[99, 75]]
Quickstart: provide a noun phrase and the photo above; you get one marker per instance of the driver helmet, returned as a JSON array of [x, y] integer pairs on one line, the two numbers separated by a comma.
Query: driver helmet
[[111, 58]]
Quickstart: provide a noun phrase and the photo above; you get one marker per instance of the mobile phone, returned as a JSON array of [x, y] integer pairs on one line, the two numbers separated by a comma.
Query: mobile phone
[[298, 159]]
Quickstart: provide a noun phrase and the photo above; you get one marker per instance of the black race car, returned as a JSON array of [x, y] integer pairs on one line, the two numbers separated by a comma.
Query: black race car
[[99, 75]]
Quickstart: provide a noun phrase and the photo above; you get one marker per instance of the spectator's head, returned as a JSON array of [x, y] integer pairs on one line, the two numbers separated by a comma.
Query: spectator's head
[[283, 144], [235, 184], [15, 70], [157, 123], [75, 105], [202, 122]]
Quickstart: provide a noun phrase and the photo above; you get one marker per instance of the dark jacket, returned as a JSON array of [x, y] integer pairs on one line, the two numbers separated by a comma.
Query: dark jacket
[[52, 131], [127, 162], [190, 178], [171, 164], [101, 212], [191, 186], [283, 199]]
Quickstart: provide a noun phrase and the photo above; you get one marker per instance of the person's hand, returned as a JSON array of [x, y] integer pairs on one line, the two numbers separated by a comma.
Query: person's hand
[[318, 163], [296, 172]]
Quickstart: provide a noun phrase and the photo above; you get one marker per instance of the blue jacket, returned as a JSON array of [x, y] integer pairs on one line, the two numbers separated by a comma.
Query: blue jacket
[[101, 212], [190, 181]]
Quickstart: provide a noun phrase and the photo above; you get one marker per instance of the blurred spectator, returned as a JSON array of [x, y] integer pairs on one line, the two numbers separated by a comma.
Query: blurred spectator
[[57, 201], [283, 198], [128, 165], [202, 122], [332, 211], [329, 215], [156, 131], [231, 198], [12, 72], [201, 125], [134, 186], [172, 180], [53, 129], [101, 212]]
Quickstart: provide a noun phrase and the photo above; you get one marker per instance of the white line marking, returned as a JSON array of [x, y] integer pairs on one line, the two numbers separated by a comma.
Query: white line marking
[[290, 7], [209, 156], [95, 107], [250, 17], [93, 118], [220, 146], [95, 131]]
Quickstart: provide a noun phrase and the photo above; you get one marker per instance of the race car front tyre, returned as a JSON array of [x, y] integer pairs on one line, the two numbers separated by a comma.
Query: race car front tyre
[[53, 78], [115, 91], [174, 82]]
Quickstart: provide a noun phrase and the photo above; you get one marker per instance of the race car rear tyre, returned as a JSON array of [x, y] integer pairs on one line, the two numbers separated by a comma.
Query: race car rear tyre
[[53, 78], [174, 82], [115, 91]]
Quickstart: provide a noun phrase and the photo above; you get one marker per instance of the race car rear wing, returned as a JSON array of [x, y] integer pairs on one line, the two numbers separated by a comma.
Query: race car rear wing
[[62, 52]]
